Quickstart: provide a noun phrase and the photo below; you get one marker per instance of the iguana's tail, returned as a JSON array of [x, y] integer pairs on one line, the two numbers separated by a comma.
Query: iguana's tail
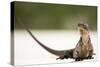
[[55, 52]]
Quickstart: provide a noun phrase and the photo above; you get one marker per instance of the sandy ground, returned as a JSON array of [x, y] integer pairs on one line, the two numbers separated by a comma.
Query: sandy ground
[[28, 52]]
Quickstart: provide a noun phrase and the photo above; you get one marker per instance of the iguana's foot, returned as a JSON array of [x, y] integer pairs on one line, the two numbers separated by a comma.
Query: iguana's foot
[[78, 59], [61, 57], [90, 57]]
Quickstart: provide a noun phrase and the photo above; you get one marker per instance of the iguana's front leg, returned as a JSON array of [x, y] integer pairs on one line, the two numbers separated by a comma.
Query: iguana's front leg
[[68, 54], [91, 55]]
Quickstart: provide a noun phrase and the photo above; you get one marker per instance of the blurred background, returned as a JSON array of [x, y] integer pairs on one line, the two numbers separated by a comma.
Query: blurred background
[[54, 16]]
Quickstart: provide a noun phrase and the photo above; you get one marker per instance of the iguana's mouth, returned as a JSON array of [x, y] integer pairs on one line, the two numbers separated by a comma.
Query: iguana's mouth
[[83, 31]]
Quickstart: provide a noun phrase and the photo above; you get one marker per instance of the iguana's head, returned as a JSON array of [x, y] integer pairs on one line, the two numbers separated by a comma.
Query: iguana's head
[[83, 28]]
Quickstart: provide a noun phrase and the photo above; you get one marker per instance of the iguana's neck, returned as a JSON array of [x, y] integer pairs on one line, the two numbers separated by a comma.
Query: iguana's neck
[[85, 37]]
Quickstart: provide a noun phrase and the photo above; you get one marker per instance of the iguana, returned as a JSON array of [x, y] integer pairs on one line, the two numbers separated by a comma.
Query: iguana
[[83, 49]]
